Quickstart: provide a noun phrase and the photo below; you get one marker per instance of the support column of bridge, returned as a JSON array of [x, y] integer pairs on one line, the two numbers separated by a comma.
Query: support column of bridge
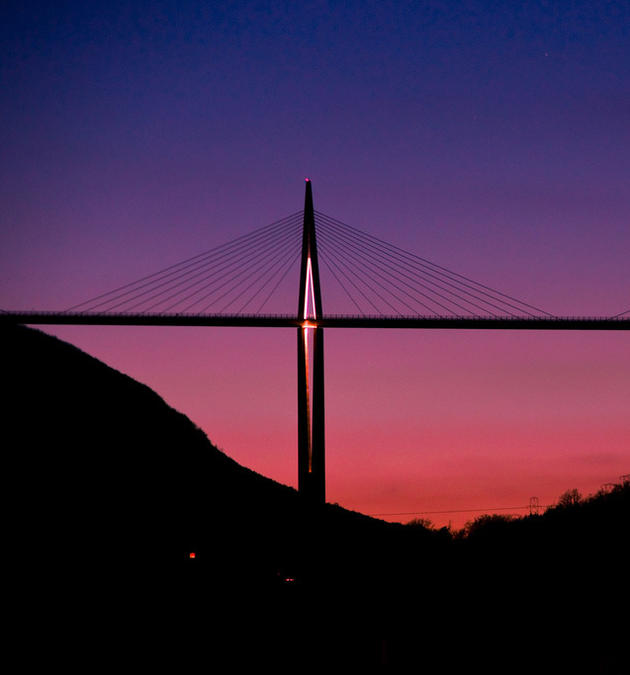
[[311, 422]]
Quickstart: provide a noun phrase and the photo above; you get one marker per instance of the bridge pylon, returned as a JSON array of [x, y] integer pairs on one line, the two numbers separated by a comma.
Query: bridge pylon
[[310, 355]]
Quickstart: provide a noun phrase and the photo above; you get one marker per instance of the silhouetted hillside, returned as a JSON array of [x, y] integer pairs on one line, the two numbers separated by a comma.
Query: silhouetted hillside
[[108, 490], [109, 487], [114, 467]]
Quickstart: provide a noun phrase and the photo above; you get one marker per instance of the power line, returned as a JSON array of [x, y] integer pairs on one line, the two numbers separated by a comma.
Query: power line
[[421, 513]]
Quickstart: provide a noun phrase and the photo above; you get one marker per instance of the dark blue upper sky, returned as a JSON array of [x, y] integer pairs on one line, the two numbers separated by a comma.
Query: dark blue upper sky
[[460, 129]]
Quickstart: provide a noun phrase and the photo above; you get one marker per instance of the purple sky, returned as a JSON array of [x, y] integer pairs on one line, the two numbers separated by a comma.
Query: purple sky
[[489, 137]]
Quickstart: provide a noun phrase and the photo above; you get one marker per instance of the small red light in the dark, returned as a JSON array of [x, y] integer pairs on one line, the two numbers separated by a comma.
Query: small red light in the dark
[[308, 180], [192, 555]]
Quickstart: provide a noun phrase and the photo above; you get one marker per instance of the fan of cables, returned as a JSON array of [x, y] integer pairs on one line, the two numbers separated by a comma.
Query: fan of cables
[[378, 278], [240, 276], [382, 279]]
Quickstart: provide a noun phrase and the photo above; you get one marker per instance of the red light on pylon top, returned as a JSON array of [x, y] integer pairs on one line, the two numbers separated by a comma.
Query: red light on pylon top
[[192, 555], [308, 180]]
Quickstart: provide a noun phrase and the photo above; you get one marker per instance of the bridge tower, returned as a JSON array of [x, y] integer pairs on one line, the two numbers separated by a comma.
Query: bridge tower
[[310, 354]]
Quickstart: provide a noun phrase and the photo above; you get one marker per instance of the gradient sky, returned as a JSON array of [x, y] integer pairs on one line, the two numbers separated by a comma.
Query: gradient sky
[[490, 137]]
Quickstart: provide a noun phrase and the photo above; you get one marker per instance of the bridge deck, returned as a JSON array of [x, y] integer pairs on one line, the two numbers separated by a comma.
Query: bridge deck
[[330, 321]]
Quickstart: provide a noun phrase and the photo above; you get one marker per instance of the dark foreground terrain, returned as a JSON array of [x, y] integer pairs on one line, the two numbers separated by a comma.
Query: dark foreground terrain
[[108, 491]]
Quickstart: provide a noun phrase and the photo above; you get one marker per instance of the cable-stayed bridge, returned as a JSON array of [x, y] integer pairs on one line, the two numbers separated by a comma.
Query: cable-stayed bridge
[[384, 285]]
